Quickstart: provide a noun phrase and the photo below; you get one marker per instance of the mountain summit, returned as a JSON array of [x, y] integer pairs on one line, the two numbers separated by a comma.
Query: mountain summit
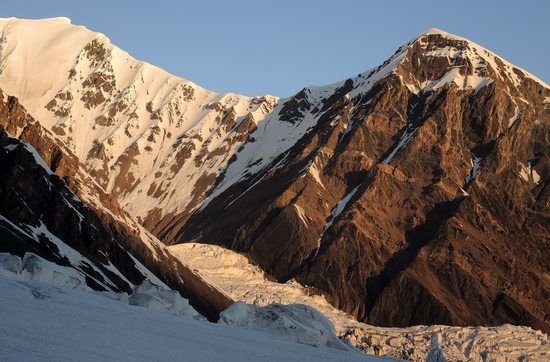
[[413, 193]]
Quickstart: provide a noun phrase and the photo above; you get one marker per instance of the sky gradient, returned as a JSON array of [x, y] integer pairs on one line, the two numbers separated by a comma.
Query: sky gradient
[[278, 47]]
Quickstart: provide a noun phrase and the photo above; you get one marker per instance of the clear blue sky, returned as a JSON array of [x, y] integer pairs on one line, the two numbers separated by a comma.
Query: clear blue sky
[[278, 47]]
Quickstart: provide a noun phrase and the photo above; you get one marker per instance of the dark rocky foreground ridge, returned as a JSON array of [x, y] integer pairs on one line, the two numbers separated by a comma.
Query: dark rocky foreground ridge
[[40, 214], [414, 193]]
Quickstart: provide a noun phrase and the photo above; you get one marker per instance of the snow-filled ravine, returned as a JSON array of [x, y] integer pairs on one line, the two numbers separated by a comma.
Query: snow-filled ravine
[[48, 314]]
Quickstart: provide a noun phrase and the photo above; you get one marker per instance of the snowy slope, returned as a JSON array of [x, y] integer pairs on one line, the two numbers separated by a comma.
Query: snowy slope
[[83, 266], [74, 324], [40, 214]]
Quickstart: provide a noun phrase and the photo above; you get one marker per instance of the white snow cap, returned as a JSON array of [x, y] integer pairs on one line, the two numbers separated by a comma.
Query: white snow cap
[[436, 31], [56, 20]]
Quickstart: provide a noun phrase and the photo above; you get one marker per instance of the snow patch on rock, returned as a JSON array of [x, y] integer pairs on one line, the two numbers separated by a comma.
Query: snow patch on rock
[[514, 117], [339, 208], [476, 167], [403, 141], [529, 174], [301, 214]]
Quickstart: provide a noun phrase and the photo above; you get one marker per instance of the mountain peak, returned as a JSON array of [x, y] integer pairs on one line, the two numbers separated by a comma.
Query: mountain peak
[[57, 20], [438, 47], [406, 171], [437, 31]]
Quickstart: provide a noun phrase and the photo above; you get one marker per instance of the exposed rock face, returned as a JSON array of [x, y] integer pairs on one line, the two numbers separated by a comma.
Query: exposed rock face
[[414, 193]]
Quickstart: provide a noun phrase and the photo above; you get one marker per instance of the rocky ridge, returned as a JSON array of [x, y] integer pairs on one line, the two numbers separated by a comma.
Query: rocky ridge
[[154, 140]]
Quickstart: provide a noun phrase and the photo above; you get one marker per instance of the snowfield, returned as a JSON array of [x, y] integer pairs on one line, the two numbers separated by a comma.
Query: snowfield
[[42, 321]]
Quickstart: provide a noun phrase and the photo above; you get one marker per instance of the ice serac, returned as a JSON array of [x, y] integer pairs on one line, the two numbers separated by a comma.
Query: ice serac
[[413, 193]]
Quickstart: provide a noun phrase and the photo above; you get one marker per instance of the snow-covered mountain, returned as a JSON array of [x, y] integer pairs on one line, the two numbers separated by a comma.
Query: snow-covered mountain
[[413, 193], [156, 140], [161, 142], [69, 269]]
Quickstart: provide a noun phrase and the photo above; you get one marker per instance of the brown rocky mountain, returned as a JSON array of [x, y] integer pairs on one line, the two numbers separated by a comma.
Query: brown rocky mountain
[[413, 193], [420, 201]]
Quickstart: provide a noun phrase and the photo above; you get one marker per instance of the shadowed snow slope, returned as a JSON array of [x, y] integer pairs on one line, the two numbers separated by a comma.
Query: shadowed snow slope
[[41, 322], [51, 207]]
